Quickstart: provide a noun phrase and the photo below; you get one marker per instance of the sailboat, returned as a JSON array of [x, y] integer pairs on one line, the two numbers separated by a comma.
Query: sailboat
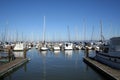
[[56, 47], [68, 45], [101, 43], [44, 45]]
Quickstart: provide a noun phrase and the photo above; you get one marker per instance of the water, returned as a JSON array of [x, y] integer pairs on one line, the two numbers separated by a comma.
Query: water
[[66, 65]]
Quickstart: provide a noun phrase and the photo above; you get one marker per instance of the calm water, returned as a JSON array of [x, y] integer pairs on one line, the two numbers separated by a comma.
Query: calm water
[[67, 65]]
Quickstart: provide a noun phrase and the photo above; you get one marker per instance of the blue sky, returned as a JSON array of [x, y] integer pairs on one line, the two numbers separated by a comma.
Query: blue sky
[[26, 17]]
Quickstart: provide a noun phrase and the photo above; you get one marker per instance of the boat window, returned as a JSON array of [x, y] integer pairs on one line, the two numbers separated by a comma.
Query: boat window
[[67, 45], [115, 42]]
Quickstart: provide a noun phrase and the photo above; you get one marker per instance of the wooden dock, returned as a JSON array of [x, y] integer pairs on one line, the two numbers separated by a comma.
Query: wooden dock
[[113, 74], [8, 67]]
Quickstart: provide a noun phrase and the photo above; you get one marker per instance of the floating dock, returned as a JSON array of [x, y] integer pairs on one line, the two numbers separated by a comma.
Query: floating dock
[[112, 74], [8, 67]]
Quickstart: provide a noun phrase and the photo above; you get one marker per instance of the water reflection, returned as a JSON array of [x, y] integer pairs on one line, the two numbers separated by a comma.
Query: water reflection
[[56, 53], [44, 66], [68, 54], [44, 53], [19, 54], [25, 67], [76, 58]]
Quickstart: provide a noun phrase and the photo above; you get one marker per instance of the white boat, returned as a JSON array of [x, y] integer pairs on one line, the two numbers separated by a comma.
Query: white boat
[[110, 57], [20, 46], [37, 46], [68, 46], [6, 46], [56, 47], [44, 45], [29, 45]]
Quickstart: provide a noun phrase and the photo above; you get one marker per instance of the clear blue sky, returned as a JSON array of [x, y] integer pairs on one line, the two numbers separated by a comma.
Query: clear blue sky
[[26, 17]]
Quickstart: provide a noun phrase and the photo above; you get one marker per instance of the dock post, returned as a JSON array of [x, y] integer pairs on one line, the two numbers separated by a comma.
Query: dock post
[[9, 52], [25, 50], [86, 52]]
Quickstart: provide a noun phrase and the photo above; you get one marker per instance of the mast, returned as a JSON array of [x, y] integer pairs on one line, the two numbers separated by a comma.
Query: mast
[[76, 33], [16, 36], [44, 30], [22, 37], [92, 33], [32, 37], [110, 32], [84, 29], [6, 32], [68, 33], [101, 31]]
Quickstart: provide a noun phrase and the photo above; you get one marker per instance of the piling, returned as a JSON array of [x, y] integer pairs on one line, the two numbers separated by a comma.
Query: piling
[[86, 52], [25, 50], [10, 54]]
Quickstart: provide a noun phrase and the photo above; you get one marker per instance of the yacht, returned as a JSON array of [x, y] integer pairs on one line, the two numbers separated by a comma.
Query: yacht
[[19, 46], [68, 46], [56, 47], [110, 55]]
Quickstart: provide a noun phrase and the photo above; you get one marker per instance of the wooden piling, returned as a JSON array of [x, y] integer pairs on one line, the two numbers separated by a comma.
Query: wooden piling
[[86, 52], [25, 50]]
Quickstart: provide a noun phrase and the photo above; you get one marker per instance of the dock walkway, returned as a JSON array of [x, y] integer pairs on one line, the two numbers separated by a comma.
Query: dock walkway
[[11, 66], [112, 73]]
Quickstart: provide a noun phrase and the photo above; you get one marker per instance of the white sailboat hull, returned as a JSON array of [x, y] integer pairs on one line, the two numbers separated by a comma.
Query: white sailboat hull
[[19, 47], [56, 48], [44, 49]]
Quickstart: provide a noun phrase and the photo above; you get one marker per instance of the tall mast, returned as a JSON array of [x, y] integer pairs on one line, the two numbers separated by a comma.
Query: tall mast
[[76, 33], [68, 33], [84, 29], [92, 33], [44, 30], [101, 30], [6, 32]]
